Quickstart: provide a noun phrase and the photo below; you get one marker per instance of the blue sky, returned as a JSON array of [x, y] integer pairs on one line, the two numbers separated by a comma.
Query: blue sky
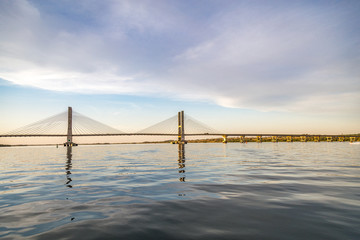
[[243, 66]]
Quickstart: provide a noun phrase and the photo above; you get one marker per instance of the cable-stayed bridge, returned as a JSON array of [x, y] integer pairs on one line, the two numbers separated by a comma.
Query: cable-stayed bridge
[[71, 124]]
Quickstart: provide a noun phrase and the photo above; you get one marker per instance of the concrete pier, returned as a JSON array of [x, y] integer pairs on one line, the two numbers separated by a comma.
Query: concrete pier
[[225, 139], [303, 138]]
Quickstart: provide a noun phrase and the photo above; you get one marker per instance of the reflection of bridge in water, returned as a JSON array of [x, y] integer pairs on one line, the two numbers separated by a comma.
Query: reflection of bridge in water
[[68, 167], [72, 124], [181, 162]]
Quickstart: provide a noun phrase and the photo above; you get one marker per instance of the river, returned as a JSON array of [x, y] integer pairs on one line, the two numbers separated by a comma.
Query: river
[[203, 191]]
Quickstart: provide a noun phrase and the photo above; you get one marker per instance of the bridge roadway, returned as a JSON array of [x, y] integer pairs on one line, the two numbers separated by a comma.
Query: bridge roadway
[[193, 134]]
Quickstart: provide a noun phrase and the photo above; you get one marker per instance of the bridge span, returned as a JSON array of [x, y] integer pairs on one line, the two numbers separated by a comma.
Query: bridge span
[[175, 127]]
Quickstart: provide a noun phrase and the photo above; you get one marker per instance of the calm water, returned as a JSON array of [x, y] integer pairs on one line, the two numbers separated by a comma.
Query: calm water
[[213, 191]]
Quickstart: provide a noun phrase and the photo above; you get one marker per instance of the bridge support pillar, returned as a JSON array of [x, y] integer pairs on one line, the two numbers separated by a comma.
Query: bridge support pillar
[[303, 138], [181, 129], [274, 138], [69, 139], [340, 139], [224, 138], [289, 139], [69, 131], [329, 139], [316, 139]]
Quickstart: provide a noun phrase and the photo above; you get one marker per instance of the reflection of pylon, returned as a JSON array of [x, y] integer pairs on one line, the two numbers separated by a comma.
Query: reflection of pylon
[[181, 161], [68, 166]]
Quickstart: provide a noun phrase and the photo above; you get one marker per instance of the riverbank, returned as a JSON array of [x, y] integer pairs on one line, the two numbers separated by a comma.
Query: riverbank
[[216, 140]]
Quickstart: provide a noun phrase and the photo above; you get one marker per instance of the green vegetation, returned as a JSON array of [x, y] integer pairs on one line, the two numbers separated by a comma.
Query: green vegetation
[[346, 138], [340, 138]]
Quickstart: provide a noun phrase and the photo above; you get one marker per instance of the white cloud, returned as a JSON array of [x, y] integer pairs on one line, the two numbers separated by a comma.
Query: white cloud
[[282, 58], [278, 62]]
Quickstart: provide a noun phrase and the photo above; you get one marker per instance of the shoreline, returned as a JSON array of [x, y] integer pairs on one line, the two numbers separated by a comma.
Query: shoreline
[[213, 140]]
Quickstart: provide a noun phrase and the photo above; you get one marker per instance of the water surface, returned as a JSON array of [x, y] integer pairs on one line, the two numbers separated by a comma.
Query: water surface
[[209, 191]]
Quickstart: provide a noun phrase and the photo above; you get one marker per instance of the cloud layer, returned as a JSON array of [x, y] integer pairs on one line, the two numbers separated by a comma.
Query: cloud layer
[[298, 56]]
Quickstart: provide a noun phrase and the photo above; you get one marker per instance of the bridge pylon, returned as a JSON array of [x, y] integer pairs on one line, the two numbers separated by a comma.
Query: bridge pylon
[[181, 128], [69, 140]]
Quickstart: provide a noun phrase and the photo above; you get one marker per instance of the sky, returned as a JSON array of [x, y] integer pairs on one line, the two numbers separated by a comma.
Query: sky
[[239, 66]]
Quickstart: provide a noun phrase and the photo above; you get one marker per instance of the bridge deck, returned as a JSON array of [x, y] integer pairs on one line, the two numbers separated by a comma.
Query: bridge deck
[[172, 134]]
